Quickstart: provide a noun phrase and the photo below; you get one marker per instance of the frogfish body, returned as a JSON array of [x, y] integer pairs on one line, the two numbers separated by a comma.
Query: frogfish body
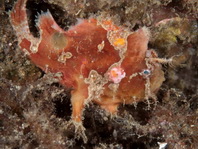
[[102, 62]]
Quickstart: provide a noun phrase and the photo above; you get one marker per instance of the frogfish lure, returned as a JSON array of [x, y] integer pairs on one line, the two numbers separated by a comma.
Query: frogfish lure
[[102, 62]]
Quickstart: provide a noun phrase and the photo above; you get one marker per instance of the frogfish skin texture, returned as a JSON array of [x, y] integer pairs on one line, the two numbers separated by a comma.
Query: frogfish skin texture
[[100, 61]]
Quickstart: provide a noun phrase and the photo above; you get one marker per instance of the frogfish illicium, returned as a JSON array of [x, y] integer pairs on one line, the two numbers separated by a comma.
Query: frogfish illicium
[[100, 61]]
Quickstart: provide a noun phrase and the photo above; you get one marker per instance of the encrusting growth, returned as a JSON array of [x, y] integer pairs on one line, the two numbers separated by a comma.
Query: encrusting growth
[[101, 62]]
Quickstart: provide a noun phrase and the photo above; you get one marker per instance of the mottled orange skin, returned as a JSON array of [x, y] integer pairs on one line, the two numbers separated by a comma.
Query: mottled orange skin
[[82, 42]]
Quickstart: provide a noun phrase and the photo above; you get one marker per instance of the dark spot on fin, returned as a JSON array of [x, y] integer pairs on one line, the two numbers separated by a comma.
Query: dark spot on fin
[[59, 40]]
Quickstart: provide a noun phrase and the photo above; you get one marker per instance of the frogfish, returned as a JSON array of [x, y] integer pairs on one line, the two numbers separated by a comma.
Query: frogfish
[[100, 61]]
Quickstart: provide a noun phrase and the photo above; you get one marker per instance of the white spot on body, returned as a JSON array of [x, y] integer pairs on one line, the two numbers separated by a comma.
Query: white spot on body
[[101, 46], [34, 48]]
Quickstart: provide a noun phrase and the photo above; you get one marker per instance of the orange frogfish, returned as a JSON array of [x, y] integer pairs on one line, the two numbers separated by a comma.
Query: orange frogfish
[[100, 61]]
